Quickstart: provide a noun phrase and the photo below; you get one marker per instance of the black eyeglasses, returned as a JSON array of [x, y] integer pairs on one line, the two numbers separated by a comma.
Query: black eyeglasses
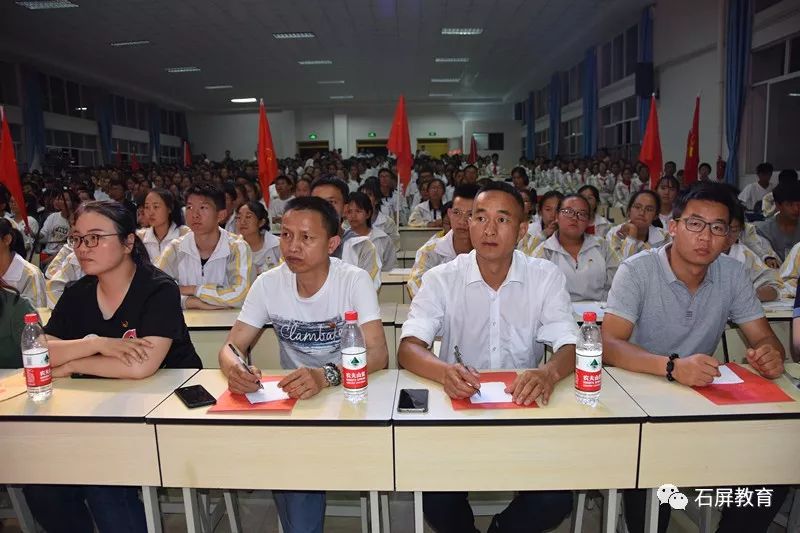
[[571, 213], [697, 225], [90, 240]]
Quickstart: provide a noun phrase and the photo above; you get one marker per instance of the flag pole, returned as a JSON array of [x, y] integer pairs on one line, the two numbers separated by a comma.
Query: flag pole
[[397, 203]]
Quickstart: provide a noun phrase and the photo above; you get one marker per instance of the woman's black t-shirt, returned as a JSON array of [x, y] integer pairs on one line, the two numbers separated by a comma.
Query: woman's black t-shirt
[[151, 308]]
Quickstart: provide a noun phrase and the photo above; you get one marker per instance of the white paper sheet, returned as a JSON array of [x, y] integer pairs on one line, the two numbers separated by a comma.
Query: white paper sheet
[[727, 377], [598, 308], [491, 392], [270, 393]]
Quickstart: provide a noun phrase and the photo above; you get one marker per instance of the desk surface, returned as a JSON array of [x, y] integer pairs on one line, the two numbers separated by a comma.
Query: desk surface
[[120, 400], [329, 407], [615, 407], [396, 276], [664, 401]]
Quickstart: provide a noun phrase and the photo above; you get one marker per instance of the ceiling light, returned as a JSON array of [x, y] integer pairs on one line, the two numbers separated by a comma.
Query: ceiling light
[[46, 4], [794, 94], [81, 109], [216, 87], [434, 95], [462, 31], [445, 80], [294, 35], [346, 97], [452, 60], [129, 43], [243, 100], [177, 70], [331, 82], [315, 62]]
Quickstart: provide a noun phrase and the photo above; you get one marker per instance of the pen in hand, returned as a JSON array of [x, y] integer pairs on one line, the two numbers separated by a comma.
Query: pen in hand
[[241, 361], [460, 361]]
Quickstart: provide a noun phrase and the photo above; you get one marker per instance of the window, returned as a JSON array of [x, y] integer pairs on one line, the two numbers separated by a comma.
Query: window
[[783, 134], [619, 56], [541, 99], [605, 65], [572, 140], [768, 62], [619, 129], [71, 149], [794, 55], [489, 141], [126, 148], [542, 143], [631, 50], [170, 154]]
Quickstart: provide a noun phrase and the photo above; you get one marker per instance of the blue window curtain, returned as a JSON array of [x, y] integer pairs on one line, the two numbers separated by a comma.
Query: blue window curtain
[[33, 119], [737, 55], [645, 56], [589, 95], [530, 128], [155, 132], [554, 107], [104, 111]]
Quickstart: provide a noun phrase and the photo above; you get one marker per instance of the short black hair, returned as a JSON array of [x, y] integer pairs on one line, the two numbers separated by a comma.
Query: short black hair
[[570, 196], [546, 196], [467, 191], [637, 194], [765, 168], [786, 192], [592, 189], [522, 172], [705, 165], [363, 201], [334, 182], [287, 179], [311, 203], [229, 188], [706, 191], [507, 188], [737, 213], [210, 191], [787, 175]]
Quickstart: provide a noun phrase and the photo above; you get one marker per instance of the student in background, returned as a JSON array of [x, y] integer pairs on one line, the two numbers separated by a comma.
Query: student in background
[[752, 195], [252, 223], [767, 283], [768, 207], [498, 303], [701, 289], [529, 199], [429, 213], [519, 178], [782, 230], [122, 320], [638, 233], [62, 270], [379, 220], [305, 299], [587, 261], [625, 188], [15, 271], [232, 202], [164, 223], [303, 188], [13, 309], [598, 224], [285, 189], [543, 224], [212, 266], [116, 191], [359, 216], [704, 172], [30, 232], [56, 227], [667, 190]]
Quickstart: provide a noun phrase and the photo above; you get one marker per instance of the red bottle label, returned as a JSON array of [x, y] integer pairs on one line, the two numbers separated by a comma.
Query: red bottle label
[[38, 376], [587, 381]]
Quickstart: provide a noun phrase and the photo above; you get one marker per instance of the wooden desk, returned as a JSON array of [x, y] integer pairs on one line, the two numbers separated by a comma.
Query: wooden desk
[[393, 286], [685, 432], [405, 258], [414, 238], [90, 432], [306, 449], [546, 448]]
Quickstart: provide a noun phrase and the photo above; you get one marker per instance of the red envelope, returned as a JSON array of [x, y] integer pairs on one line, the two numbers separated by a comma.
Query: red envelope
[[230, 402], [754, 389], [507, 378]]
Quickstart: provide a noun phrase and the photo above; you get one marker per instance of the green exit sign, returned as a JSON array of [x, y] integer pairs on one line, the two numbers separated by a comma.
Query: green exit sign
[[371, 134], [431, 134], [312, 136]]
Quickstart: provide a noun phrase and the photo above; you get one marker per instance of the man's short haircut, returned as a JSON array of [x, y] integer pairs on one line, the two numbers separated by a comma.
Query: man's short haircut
[[705, 165], [330, 220], [507, 188], [704, 191], [117, 182], [210, 191], [765, 168], [467, 191], [787, 192], [287, 179], [229, 188], [333, 182], [787, 175], [473, 167], [737, 213]]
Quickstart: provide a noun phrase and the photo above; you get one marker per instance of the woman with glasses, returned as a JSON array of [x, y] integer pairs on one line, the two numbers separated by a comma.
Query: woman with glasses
[[667, 190], [123, 319], [639, 232], [587, 261], [598, 224]]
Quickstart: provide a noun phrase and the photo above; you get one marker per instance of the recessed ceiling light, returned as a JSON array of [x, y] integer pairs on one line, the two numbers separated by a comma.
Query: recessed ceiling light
[[452, 60], [331, 82], [129, 43], [462, 31], [46, 4], [339, 97], [794, 94], [177, 70], [243, 100], [445, 80], [81, 109], [440, 94], [217, 87], [294, 35], [315, 62]]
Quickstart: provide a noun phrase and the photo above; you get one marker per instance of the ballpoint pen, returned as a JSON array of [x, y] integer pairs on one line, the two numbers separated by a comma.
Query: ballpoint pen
[[241, 360], [460, 361]]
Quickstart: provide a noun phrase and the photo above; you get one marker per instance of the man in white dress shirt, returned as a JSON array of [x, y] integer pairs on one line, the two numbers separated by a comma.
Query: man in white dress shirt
[[496, 304]]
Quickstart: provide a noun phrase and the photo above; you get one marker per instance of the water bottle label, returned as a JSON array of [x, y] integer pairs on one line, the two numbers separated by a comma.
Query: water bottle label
[[37, 368], [354, 368], [588, 370]]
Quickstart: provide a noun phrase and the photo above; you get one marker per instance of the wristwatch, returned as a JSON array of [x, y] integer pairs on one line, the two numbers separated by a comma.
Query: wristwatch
[[671, 366], [332, 374]]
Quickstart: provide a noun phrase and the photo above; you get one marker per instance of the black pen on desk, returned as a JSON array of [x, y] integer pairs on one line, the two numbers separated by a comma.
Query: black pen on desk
[[241, 360], [460, 361]]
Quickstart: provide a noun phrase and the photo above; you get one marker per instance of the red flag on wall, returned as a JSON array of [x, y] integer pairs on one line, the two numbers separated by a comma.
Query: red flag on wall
[[9, 175], [650, 154], [267, 161], [473, 151], [400, 143], [135, 166], [693, 148], [187, 155]]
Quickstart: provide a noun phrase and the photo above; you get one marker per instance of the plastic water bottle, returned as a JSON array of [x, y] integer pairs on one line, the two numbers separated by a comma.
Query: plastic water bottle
[[36, 360], [588, 361], [354, 359]]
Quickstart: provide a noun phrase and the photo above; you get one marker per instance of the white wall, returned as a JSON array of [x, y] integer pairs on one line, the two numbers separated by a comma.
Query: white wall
[[509, 156], [212, 134]]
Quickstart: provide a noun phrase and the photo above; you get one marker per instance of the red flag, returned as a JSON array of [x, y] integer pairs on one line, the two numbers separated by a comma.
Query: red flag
[[187, 155], [9, 175], [267, 162], [693, 148], [135, 166], [472, 158], [400, 143], [650, 154]]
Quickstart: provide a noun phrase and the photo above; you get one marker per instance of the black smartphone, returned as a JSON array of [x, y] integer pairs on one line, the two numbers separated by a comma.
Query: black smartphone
[[195, 396], [413, 401]]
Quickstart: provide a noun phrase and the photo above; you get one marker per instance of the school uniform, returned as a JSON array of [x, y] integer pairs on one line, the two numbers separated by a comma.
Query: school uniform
[[628, 246], [155, 247], [384, 247], [388, 226], [423, 213], [437, 251], [360, 252], [758, 272], [54, 233], [599, 227], [623, 193], [27, 279], [28, 237], [754, 193], [758, 244], [62, 270], [277, 207], [269, 256], [781, 242], [790, 270]]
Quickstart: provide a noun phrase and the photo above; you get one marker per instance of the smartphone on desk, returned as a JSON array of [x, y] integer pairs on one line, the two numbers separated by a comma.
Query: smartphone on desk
[[195, 396], [413, 401]]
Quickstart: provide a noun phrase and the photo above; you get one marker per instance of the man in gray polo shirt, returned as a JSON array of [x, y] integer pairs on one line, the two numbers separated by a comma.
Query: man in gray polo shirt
[[671, 304]]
